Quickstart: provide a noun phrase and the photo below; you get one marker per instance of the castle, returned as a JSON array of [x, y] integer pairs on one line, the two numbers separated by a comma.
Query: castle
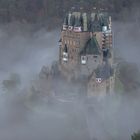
[[86, 51]]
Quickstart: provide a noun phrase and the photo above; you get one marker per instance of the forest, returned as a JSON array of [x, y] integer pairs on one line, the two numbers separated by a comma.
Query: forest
[[41, 11]]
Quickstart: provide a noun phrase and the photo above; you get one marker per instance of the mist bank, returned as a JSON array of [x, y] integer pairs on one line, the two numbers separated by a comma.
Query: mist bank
[[24, 53], [23, 117]]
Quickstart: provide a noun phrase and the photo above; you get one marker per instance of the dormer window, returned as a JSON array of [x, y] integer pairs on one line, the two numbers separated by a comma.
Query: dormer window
[[70, 28], [78, 29], [83, 60], [65, 27], [104, 28]]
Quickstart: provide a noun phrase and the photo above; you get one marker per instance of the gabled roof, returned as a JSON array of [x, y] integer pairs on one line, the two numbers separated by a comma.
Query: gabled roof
[[78, 22], [97, 21], [91, 47]]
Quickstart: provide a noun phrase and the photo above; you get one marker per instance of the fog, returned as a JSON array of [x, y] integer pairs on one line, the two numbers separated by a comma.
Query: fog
[[127, 40], [110, 118], [25, 54]]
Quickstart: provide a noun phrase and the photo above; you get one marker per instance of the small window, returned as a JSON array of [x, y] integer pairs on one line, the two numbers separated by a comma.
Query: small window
[[98, 80], [95, 56], [83, 60]]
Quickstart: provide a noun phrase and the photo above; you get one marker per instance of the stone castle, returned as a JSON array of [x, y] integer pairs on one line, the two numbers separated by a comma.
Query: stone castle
[[86, 51]]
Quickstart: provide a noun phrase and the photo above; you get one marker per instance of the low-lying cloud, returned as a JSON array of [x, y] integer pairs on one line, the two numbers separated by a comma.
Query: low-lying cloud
[[113, 117]]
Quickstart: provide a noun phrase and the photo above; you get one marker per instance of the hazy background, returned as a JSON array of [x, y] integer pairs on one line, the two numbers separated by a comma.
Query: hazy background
[[24, 50], [25, 54]]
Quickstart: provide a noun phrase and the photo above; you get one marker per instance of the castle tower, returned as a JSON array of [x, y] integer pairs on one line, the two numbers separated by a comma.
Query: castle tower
[[102, 81], [74, 35]]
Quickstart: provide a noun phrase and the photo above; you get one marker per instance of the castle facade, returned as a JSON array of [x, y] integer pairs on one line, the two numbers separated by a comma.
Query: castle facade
[[86, 51]]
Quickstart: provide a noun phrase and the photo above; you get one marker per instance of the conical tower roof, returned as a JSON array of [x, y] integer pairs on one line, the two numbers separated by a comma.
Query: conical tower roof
[[104, 71], [91, 47]]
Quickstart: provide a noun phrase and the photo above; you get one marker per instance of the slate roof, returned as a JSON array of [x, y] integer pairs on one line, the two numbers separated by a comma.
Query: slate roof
[[104, 71], [91, 47], [95, 22], [78, 22], [95, 25]]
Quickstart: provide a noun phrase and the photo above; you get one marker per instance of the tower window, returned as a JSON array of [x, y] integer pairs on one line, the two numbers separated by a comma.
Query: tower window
[[95, 56]]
